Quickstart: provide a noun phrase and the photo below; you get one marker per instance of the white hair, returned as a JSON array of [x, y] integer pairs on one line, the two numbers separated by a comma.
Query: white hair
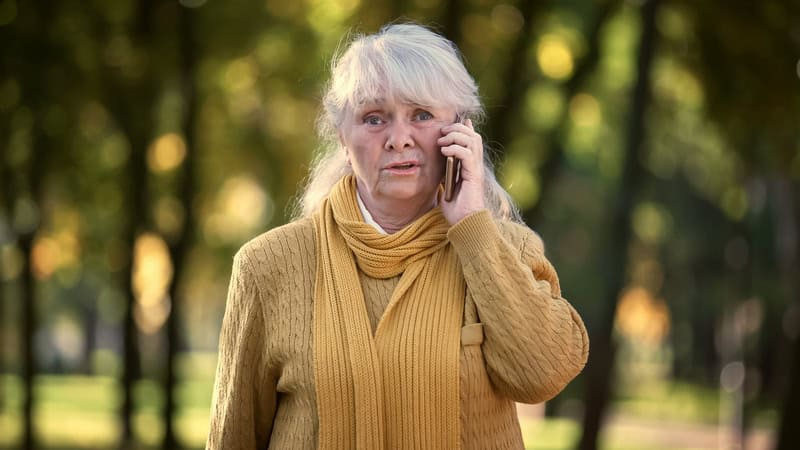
[[402, 61]]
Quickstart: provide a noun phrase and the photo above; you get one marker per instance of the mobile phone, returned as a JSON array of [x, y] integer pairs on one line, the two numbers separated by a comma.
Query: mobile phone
[[452, 174]]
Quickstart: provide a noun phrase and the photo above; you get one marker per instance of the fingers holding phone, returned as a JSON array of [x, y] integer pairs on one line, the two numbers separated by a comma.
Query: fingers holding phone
[[464, 175]]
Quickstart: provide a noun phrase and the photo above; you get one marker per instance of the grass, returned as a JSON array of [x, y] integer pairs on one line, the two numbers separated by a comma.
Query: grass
[[79, 412], [549, 434], [684, 402], [656, 416], [670, 401]]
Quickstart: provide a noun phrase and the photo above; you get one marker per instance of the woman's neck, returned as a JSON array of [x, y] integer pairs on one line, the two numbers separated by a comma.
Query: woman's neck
[[393, 217]]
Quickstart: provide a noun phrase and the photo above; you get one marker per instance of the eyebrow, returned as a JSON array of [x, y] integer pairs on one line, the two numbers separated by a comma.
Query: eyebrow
[[367, 105], [370, 101]]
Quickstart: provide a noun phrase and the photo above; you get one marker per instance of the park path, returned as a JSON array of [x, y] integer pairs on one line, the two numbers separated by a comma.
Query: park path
[[668, 434]]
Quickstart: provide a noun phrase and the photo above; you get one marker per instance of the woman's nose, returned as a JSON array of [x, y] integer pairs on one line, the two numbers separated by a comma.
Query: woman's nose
[[399, 136]]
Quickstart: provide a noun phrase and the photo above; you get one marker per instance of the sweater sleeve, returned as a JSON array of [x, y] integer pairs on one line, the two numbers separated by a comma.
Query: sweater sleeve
[[534, 341], [244, 397]]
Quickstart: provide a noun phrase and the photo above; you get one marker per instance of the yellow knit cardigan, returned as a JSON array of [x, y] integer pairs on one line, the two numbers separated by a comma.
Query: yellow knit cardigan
[[520, 340]]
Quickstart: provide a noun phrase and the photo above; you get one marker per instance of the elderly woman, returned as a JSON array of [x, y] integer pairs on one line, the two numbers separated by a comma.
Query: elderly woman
[[384, 316]]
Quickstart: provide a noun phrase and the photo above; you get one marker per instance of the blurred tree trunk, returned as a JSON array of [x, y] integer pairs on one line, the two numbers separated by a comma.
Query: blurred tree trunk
[[180, 248], [555, 155], [28, 193], [704, 362], [28, 327], [5, 223], [788, 245], [452, 13], [131, 100], [601, 358], [691, 279], [758, 232], [788, 431], [136, 199], [7, 205], [90, 319], [731, 337], [516, 80], [27, 231]]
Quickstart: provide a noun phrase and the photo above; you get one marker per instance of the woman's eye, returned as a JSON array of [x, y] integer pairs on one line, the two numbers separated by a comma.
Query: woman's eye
[[424, 115], [373, 120]]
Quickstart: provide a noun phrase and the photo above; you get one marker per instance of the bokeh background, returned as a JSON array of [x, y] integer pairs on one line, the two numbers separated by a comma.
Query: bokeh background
[[654, 144]]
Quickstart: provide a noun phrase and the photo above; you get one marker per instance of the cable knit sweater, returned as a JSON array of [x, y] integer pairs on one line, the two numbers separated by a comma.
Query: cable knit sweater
[[520, 340]]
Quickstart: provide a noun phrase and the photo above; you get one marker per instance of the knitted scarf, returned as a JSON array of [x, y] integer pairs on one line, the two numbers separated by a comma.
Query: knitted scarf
[[400, 387]]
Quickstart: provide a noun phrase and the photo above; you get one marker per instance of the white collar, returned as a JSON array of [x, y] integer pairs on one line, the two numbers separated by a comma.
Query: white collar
[[367, 216]]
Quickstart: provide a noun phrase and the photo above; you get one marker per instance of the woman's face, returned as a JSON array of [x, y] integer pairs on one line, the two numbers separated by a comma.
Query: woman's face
[[392, 149]]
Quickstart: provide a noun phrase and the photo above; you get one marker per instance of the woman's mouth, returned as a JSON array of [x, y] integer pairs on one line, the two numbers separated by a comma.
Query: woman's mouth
[[403, 167]]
